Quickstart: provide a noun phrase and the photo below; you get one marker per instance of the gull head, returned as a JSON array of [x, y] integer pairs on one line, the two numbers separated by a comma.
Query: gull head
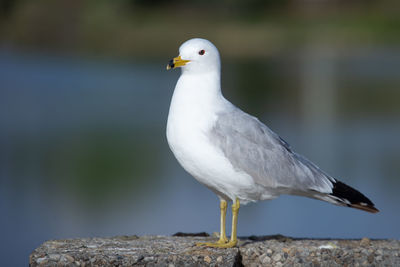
[[196, 56]]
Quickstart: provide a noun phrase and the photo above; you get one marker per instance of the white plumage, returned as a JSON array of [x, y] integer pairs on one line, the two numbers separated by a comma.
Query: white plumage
[[233, 153]]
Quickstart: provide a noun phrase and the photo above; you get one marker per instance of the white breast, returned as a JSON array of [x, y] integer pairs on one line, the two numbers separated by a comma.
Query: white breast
[[192, 114]]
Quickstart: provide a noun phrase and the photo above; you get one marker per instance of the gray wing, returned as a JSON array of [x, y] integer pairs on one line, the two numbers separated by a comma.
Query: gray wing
[[253, 148]]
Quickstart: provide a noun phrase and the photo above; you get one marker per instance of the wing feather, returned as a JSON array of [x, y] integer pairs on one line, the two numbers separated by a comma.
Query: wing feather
[[253, 148]]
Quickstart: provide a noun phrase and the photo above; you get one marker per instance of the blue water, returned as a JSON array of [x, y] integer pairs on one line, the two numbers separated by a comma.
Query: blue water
[[83, 153]]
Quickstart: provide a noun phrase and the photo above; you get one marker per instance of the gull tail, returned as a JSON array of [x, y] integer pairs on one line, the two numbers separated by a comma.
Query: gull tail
[[345, 195]]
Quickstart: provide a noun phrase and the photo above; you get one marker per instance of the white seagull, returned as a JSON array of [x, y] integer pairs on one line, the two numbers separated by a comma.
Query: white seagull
[[231, 152]]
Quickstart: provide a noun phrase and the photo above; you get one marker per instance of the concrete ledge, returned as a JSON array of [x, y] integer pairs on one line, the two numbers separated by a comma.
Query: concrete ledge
[[181, 251]]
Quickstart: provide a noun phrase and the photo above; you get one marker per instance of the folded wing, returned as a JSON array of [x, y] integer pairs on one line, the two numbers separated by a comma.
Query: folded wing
[[253, 148]]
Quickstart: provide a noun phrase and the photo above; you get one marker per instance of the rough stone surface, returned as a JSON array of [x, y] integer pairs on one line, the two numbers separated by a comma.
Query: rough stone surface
[[181, 251]]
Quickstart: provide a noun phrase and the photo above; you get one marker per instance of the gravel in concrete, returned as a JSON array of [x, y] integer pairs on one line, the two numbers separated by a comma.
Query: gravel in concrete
[[181, 251]]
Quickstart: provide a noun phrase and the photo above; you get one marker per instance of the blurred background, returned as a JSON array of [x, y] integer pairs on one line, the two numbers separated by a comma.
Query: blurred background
[[84, 98]]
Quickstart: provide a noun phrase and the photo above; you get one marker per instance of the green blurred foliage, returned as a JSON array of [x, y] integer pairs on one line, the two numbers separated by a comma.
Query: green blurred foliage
[[137, 28], [97, 167]]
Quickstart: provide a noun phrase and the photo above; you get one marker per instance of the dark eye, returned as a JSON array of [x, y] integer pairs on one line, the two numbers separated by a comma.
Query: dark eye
[[201, 52]]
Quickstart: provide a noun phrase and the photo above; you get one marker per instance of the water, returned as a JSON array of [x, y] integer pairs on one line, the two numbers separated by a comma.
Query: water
[[84, 153]]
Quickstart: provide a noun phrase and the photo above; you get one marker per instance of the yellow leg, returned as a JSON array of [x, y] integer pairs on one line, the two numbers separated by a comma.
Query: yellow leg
[[235, 212], [222, 236], [223, 241]]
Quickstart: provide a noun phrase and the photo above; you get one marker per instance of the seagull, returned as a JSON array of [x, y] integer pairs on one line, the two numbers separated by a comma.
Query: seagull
[[231, 152]]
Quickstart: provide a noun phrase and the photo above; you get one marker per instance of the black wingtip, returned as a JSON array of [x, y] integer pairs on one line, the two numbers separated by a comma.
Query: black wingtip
[[350, 197]]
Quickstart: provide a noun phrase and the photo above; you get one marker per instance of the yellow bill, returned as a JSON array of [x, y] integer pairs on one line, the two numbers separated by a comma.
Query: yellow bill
[[176, 63]]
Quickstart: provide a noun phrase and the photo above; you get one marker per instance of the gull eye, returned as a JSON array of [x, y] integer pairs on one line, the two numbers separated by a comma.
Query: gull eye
[[201, 52]]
